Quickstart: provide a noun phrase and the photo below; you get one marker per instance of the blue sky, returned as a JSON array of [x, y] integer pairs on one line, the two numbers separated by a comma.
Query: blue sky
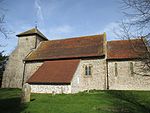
[[61, 18]]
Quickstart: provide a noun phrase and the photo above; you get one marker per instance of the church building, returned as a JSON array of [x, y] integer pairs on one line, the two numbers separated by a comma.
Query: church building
[[76, 64]]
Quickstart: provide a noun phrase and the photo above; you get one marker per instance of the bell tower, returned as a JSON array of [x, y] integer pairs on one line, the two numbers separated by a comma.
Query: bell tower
[[27, 42]]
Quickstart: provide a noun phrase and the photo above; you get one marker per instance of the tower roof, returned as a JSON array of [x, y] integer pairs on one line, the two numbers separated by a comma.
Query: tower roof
[[32, 31]]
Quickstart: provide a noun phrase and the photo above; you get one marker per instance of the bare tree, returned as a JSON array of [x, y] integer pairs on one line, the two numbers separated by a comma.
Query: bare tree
[[137, 18], [136, 24], [3, 29], [4, 32]]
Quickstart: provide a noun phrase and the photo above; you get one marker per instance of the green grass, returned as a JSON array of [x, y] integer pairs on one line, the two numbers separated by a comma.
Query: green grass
[[10, 101], [92, 102]]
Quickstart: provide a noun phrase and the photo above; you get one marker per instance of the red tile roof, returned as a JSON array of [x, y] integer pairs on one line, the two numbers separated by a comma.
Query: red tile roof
[[87, 46], [60, 71], [125, 49]]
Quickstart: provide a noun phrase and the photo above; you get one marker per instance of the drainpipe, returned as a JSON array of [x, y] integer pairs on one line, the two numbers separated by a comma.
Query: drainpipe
[[107, 77], [105, 51]]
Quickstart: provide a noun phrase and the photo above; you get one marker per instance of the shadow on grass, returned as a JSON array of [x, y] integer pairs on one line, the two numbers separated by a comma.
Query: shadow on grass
[[129, 102], [11, 105]]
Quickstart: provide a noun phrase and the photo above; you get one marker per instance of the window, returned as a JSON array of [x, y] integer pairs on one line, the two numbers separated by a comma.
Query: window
[[88, 70], [131, 69], [116, 70]]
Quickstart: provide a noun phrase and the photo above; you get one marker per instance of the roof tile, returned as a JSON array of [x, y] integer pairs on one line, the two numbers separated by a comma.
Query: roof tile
[[125, 49], [87, 46], [60, 71]]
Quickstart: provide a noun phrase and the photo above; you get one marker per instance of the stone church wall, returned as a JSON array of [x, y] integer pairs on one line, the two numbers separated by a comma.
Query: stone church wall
[[57, 89], [30, 68], [13, 74], [80, 81], [97, 80], [9, 75], [122, 77]]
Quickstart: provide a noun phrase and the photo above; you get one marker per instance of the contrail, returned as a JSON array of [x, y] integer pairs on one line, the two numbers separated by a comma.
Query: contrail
[[39, 13]]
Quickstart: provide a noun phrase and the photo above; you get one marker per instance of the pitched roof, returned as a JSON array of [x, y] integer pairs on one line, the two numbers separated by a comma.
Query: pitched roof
[[60, 71], [87, 46], [125, 49], [32, 32]]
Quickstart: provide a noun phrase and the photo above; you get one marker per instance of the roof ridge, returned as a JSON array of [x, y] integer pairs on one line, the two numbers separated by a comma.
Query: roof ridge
[[90, 36], [124, 40]]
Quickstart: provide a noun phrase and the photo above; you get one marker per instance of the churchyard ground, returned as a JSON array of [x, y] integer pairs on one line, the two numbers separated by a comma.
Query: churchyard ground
[[91, 102]]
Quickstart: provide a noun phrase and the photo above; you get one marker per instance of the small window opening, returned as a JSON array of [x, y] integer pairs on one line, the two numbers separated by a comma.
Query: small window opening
[[131, 69], [116, 70], [88, 70]]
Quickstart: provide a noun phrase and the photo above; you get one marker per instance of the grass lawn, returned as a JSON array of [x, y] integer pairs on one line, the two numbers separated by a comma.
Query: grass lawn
[[10, 101], [92, 102]]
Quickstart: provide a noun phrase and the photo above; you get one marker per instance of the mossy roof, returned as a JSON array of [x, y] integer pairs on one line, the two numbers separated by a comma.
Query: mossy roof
[[86, 46], [32, 31]]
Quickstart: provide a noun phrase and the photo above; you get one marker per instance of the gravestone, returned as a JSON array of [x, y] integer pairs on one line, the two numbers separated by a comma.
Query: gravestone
[[26, 92]]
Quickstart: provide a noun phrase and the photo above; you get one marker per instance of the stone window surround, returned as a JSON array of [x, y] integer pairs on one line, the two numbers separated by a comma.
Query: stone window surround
[[116, 69], [131, 69], [87, 70]]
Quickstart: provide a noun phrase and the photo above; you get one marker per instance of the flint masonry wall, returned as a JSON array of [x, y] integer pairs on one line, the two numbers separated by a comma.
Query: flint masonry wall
[[11, 70], [124, 80], [97, 80], [80, 81], [13, 74], [57, 89], [30, 68]]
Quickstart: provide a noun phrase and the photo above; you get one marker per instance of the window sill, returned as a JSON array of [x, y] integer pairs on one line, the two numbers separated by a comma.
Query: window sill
[[87, 76]]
